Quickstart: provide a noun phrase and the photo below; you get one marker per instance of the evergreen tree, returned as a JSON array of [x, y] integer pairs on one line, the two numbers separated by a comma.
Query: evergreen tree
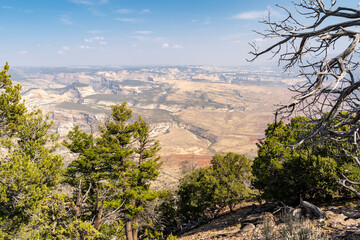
[[233, 172], [112, 173], [11, 106], [197, 195], [311, 170], [28, 167], [206, 191]]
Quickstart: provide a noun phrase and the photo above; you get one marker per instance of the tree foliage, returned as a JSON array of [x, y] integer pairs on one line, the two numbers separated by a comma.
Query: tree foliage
[[311, 170], [11, 106], [233, 173], [29, 169], [113, 172], [111, 177], [320, 38], [54, 220], [206, 191]]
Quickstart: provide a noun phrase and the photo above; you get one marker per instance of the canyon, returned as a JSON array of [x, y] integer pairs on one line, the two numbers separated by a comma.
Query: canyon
[[194, 111]]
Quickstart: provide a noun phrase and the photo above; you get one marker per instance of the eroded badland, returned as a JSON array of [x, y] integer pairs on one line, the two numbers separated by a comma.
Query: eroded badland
[[194, 111]]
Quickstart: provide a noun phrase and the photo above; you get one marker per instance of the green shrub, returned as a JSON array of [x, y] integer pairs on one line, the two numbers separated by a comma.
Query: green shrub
[[352, 172], [206, 191], [171, 237], [167, 209], [311, 170], [233, 174], [197, 195]]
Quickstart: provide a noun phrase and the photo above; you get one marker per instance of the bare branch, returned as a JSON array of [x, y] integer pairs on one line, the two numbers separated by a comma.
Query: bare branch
[[350, 216], [329, 96]]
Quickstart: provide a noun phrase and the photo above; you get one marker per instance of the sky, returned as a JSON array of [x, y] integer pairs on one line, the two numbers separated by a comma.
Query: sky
[[130, 32]]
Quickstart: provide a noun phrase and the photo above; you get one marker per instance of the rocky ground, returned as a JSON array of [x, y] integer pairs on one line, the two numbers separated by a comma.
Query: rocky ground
[[248, 223]]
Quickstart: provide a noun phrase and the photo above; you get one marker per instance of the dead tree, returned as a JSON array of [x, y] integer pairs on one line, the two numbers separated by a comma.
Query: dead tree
[[320, 38]]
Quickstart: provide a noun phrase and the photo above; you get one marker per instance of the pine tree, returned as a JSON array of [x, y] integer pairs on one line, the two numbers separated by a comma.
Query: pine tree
[[11, 106], [28, 167], [112, 173]]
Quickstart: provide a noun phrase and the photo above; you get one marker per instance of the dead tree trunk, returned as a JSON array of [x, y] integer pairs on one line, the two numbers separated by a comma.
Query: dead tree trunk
[[135, 230], [128, 230], [311, 209], [330, 93]]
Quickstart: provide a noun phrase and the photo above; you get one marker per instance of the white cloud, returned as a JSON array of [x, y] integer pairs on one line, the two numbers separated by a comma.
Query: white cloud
[[140, 38], [89, 2], [130, 20], [7, 7], [124, 11], [43, 45], [177, 46], [23, 52], [65, 20], [143, 32], [257, 14], [94, 31], [95, 12], [260, 40], [103, 43], [87, 47], [207, 21], [83, 2], [64, 50], [128, 11], [251, 15], [145, 11], [159, 39], [94, 39]]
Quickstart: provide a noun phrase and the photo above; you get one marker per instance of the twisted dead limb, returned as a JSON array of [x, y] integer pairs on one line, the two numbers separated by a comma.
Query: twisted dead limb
[[325, 52], [330, 87]]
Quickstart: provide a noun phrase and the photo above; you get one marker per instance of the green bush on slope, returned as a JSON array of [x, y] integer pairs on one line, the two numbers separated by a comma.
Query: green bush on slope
[[311, 170], [206, 191]]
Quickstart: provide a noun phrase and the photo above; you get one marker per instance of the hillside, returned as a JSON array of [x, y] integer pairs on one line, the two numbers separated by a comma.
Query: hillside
[[247, 222]]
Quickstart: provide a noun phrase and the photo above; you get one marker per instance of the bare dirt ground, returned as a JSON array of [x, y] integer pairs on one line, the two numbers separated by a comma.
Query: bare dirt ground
[[176, 165], [235, 225]]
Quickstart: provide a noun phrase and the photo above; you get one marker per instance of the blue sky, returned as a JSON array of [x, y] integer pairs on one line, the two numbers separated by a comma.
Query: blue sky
[[129, 32]]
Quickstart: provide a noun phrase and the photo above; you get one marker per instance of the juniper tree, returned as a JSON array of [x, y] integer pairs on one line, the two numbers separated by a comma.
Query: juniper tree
[[112, 173], [320, 38], [29, 169], [204, 192]]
